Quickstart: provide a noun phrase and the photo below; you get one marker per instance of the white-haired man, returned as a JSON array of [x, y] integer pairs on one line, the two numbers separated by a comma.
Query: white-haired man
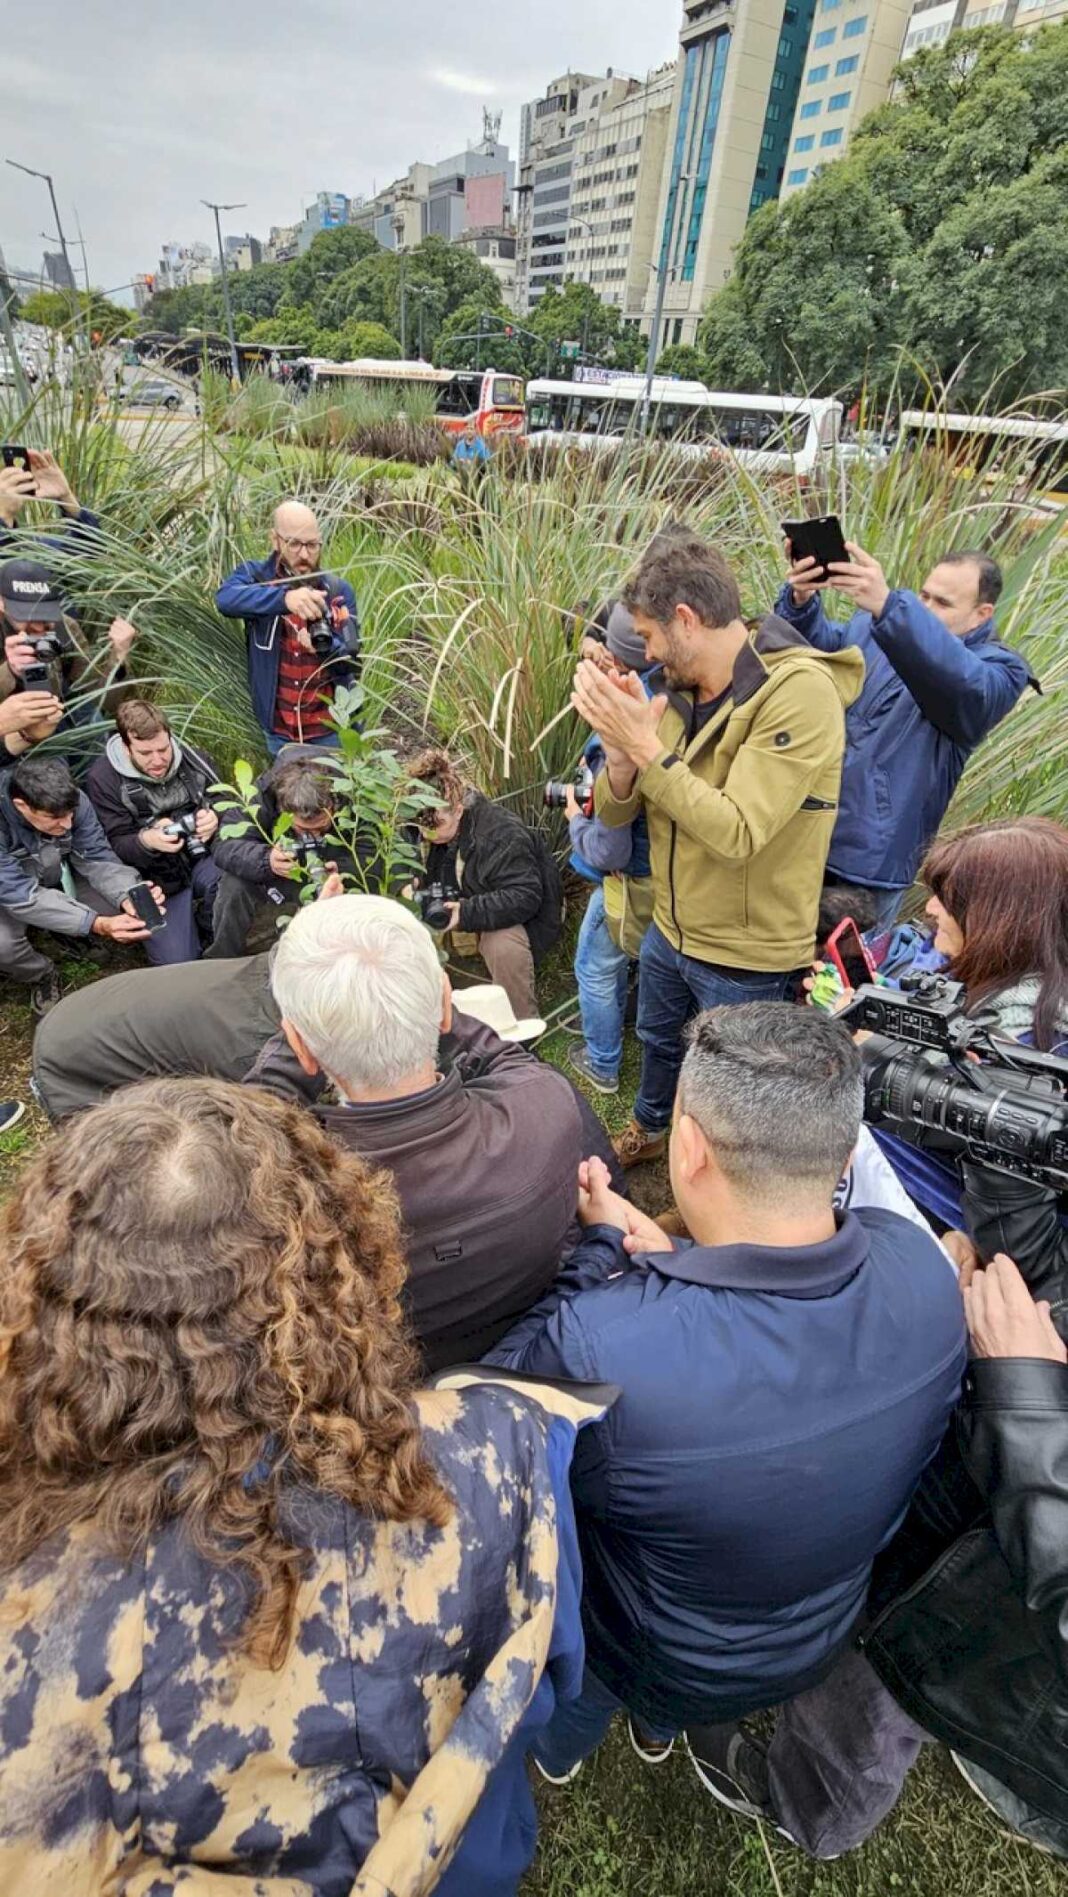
[[302, 630], [483, 1140]]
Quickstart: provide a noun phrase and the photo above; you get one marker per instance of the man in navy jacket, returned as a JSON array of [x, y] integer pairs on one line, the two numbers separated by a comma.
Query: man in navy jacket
[[937, 682], [291, 609], [784, 1380]]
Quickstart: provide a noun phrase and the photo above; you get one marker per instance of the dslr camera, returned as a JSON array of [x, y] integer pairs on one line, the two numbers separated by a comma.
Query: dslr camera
[[46, 647], [305, 851], [183, 823], [321, 631], [432, 902], [555, 792]]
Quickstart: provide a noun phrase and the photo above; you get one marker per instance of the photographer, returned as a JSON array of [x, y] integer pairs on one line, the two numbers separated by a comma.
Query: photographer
[[44, 480], [302, 631], [57, 872], [505, 884], [256, 872], [151, 795], [936, 683], [26, 718], [42, 655]]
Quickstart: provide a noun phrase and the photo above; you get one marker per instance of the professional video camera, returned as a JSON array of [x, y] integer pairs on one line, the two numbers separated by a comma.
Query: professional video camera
[[183, 823], [46, 646], [1008, 1109], [432, 902], [305, 851], [555, 792]]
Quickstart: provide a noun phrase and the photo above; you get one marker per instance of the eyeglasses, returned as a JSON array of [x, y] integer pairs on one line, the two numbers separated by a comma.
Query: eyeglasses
[[300, 546]]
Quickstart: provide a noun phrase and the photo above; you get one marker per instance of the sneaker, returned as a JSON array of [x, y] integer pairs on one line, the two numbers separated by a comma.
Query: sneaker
[[652, 1751], [558, 1778], [634, 1144], [11, 1112], [732, 1767], [46, 993], [579, 1059]]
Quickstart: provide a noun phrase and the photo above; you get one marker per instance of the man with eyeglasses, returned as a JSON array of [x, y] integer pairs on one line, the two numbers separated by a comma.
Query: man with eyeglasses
[[302, 630]]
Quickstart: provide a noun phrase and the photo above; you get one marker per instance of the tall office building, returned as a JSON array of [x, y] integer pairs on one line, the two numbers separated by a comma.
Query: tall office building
[[932, 21], [329, 212], [854, 48], [548, 128], [618, 163], [736, 89]]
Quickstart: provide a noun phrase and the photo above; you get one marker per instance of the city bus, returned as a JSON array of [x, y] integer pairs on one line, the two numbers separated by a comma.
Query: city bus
[[1032, 450], [772, 434], [488, 397]]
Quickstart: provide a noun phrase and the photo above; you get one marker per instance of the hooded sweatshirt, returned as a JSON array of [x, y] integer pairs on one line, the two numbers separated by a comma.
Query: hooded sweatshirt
[[127, 802], [741, 813]]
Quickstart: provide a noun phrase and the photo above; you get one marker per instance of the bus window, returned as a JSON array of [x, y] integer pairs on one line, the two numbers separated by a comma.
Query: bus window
[[507, 392]]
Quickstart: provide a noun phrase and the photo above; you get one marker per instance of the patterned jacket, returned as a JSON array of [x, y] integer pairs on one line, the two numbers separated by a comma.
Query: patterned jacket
[[140, 1755]]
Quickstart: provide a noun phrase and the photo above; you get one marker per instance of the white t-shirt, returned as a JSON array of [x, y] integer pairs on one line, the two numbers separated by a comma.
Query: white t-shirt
[[871, 1180]]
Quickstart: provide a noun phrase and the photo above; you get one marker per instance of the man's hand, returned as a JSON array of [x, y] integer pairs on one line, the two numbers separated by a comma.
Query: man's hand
[[454, 917], [120, 928], [801, 578], [305, 603], [33, 714], [964, 1255], [206, 824], [571, 805], [619, 712], [862, 579], [331, 885], [156, 838], [16, 488], [599, 1205], [18, 652], [50, 482], [282, 864], [121, 636], [1003, 1319]]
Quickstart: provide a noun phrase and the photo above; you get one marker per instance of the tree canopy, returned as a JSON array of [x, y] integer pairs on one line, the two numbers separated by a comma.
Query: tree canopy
[[938, 244], [54, 309]]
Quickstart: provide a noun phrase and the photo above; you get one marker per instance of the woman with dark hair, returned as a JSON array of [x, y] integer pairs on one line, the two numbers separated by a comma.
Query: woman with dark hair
[[999, 903], [265, 1614]]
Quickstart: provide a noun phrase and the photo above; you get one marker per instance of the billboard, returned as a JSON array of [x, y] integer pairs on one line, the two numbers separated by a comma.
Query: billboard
[[333, 209]]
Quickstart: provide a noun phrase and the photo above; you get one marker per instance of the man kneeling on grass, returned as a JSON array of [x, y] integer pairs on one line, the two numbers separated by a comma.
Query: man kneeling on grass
[[785, 1378]]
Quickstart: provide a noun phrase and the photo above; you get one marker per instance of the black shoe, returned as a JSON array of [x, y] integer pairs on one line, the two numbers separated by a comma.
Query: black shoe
[[733, 1767], [11, 1112], [579, 1059], [46, 993], [650, 1751]]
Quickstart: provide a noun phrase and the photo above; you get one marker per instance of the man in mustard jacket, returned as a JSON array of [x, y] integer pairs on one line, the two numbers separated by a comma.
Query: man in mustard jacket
[[737, 762]]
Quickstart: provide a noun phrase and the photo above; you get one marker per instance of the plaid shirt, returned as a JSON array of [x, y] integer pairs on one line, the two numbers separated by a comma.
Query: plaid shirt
[[303, 700]]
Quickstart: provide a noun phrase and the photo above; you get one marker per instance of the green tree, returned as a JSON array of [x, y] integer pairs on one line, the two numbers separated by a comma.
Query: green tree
[[575, 313], [327, 256], [684, 360], [54, 310], [196, 306], [457, 344], [259, 291], [299, 326], [368, 339]]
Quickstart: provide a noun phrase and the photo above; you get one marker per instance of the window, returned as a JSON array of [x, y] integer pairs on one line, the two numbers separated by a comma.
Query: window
[[816, 74], [786, 47], [847, 65], [838, 101], [767, 142], [828, 6], [852, 27], [832, 138], [826, 38], [811, 109], [806, 143], [778, 80], [797, 177]]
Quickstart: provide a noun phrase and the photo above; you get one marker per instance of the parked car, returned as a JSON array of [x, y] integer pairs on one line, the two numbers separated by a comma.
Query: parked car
[[153, 395]]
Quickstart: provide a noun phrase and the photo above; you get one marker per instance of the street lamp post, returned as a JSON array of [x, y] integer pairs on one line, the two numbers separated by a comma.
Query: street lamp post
[[420, 292], [46, 176], [658, 309], [398, 232], [235, 366]]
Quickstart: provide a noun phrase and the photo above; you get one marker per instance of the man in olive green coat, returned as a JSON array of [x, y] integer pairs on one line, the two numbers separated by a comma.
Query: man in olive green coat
[[737, 762]]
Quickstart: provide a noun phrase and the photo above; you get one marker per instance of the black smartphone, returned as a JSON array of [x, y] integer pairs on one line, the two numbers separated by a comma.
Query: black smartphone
[[145, 907], [820, 539], [15, 457]]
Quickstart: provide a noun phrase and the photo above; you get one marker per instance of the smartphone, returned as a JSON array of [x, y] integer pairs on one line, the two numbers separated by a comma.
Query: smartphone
[[13, 457], [845, 950], [821, 539], [145, 907]]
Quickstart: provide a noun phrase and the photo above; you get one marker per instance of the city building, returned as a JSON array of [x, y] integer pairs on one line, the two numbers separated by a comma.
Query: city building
[[281, 246], [548, 128], [396, 214], [494, 246], [472, 189], [854, 48], [932, 21], [183, 264], [735, 94], [329, 212], [618, 163], [242, 253]]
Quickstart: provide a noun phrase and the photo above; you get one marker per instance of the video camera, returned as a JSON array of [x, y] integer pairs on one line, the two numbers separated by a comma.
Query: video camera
[[183, 823], [555, 792], [432, 902], [1007, 1110], [46, 647]]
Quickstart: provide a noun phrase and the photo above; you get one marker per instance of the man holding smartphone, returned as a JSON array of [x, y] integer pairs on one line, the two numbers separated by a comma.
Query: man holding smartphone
[[936, 682]]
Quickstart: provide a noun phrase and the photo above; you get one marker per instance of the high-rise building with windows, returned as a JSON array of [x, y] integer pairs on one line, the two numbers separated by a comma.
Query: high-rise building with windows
[[932, 21], [619, 156], [548, 128], [854, 48]]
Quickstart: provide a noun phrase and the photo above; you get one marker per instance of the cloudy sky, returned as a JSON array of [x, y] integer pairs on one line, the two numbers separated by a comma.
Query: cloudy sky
[[140, 108]]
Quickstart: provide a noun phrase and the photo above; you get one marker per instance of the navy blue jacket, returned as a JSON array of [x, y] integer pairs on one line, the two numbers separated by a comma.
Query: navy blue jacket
[[929, 698], [256, 593], [596, 849], [778, 1407]]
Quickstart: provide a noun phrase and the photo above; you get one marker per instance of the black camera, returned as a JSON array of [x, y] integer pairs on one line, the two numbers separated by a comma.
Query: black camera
[[305, 851], [432, 902], [47, 646], [183, 823], [555, 793], [1008, 1110], [320, 632]]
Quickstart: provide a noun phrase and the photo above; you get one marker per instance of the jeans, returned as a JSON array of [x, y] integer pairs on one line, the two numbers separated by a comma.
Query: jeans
[[275, 743], [672, 988], [578, 1726], [601, 972], [181, 940]]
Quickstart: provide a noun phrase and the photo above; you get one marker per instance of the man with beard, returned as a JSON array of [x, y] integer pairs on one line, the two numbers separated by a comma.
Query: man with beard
[[736, 760]]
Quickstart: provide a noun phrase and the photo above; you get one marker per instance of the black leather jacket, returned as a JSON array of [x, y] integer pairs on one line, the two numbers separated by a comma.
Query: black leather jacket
[[976, 1651]]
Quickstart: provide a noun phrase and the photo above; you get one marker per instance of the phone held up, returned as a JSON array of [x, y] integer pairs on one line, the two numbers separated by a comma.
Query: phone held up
[[145, 907], [14, 457], [821, 539], [845, 949]]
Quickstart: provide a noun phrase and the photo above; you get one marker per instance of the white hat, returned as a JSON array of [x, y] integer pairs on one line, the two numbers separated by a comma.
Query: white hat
[[490, 1005]]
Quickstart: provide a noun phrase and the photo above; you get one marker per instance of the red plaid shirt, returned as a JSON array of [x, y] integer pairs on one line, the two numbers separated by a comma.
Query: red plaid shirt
[[303, 700]]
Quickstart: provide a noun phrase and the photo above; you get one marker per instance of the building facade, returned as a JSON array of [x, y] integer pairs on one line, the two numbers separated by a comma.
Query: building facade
[[281, 246], [615, 187], [183, 264], [548, 128], [494, 246], [932, 21], [854, 48], [329, 212]]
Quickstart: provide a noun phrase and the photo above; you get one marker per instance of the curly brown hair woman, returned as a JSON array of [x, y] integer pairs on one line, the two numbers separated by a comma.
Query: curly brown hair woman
[[200, 1309]]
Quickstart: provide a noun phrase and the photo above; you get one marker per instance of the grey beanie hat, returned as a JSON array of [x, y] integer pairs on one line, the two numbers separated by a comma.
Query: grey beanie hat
[[622, 641]]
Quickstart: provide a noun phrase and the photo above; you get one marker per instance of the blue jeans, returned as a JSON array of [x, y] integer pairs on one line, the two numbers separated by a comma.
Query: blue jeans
[[275, 743], [180, 940], [672, 988], [601, 972], [578, 1726]]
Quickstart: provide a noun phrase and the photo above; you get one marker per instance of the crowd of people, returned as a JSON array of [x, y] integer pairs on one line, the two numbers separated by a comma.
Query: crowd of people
[[361, 1440]]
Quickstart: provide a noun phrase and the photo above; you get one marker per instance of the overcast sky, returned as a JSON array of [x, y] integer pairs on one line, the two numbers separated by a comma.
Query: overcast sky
[[140, 108]]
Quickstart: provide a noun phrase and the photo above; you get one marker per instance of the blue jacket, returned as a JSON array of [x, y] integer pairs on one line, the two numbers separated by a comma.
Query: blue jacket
[[777, 1409], [31, 868], [596, 849], [929, 698], [255, 593]]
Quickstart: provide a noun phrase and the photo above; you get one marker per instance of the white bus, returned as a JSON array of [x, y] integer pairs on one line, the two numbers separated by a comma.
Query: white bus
[[1032, 449], [771, 434], [491, 398]]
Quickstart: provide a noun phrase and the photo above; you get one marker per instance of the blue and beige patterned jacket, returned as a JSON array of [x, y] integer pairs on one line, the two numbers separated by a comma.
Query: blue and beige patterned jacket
[[140, 1755]]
